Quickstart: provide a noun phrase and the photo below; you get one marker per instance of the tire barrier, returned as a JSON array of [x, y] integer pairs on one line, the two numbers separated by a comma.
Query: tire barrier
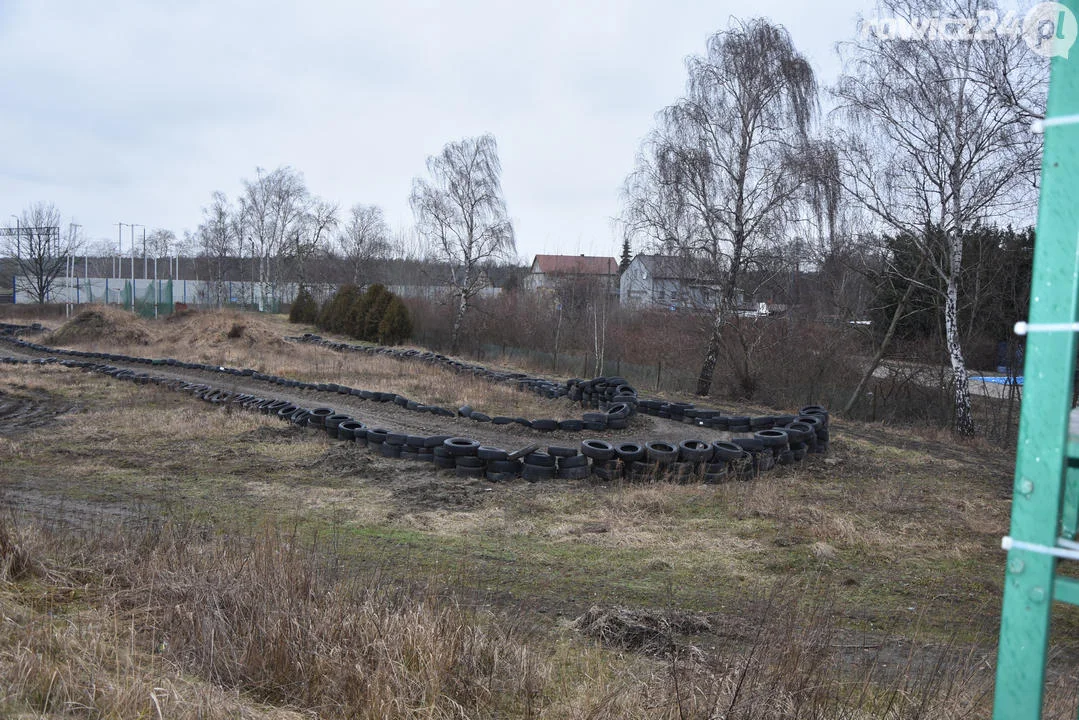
[[613, 419], [772, 440], [692, 460], [11, 330], [617, 400]]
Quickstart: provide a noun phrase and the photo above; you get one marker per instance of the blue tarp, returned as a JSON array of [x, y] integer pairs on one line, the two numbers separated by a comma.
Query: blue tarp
[[998, 380]]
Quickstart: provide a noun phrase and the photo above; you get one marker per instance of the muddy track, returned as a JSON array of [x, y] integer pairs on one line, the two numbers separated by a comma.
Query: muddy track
[[393, 417], [22, 411]]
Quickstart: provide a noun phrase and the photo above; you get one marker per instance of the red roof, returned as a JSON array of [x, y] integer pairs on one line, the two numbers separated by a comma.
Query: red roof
[[575, 265]]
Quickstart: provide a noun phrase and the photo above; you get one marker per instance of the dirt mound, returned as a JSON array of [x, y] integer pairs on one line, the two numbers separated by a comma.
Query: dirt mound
[[220, 327], [104, 325], [652, 633]]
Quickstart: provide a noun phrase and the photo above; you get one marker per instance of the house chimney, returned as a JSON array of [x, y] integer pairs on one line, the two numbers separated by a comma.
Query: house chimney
[[582, 254]]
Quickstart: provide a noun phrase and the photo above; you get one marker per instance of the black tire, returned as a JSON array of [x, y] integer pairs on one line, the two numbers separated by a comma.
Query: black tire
[[619, 411], [715, 478], [799, 432], [573, 473], [617, 424], [727, 451], [505, 466], [521, 452], [561, 452], [396, 438], [608, 470], [540, 459], [435, 441], [573, 461], [642, 472], [501, 420], [773, 438], [347, 430], [571, 425], [597, 449], [537, 473], [470, 472], [660, 452], [388, 450], [377, 436], [471, 461], [480, 417], [459, 446], [319, 415], [695, 451], [545, 425], [465, 411], [491, 453], [752, 445], [595, 418], [407, 454], [629, 452]]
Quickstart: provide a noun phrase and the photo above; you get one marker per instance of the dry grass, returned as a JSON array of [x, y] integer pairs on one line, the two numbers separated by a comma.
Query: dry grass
[[231, 338], [257, 618], [175, 621]]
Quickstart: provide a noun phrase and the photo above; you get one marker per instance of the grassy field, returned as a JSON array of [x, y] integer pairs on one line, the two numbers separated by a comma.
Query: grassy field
[[163, 558]]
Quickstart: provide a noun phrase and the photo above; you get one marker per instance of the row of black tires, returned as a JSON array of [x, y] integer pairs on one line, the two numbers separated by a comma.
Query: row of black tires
[[614, 418], [614, 397], [687, 461], [11, 330]]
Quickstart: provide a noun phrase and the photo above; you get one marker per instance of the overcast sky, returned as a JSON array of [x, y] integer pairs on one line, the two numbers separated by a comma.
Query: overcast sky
[[136, 111]]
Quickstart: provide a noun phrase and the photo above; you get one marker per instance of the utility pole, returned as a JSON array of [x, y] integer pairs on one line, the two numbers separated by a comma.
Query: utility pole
[[18, 240], [73, 229], [133, 226], [116, 266]]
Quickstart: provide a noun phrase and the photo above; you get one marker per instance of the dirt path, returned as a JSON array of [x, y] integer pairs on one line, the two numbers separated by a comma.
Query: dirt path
[[393, 417]]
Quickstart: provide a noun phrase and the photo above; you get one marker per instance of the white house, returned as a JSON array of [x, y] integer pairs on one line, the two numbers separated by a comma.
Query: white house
[[662, 281]]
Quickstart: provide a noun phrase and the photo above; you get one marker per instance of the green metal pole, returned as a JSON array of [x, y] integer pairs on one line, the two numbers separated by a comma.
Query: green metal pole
[[1043, 431]]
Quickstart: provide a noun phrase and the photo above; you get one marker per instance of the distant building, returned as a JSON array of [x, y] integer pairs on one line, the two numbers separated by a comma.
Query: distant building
[[662, 281], [548, 271]]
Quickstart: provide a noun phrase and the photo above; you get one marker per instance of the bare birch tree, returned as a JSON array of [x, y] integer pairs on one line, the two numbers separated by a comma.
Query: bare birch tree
[[719, 178], [940, 141], [272, 209], [218, 242], [312, 234], [461, 212], [363, 238], [41, 250]]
